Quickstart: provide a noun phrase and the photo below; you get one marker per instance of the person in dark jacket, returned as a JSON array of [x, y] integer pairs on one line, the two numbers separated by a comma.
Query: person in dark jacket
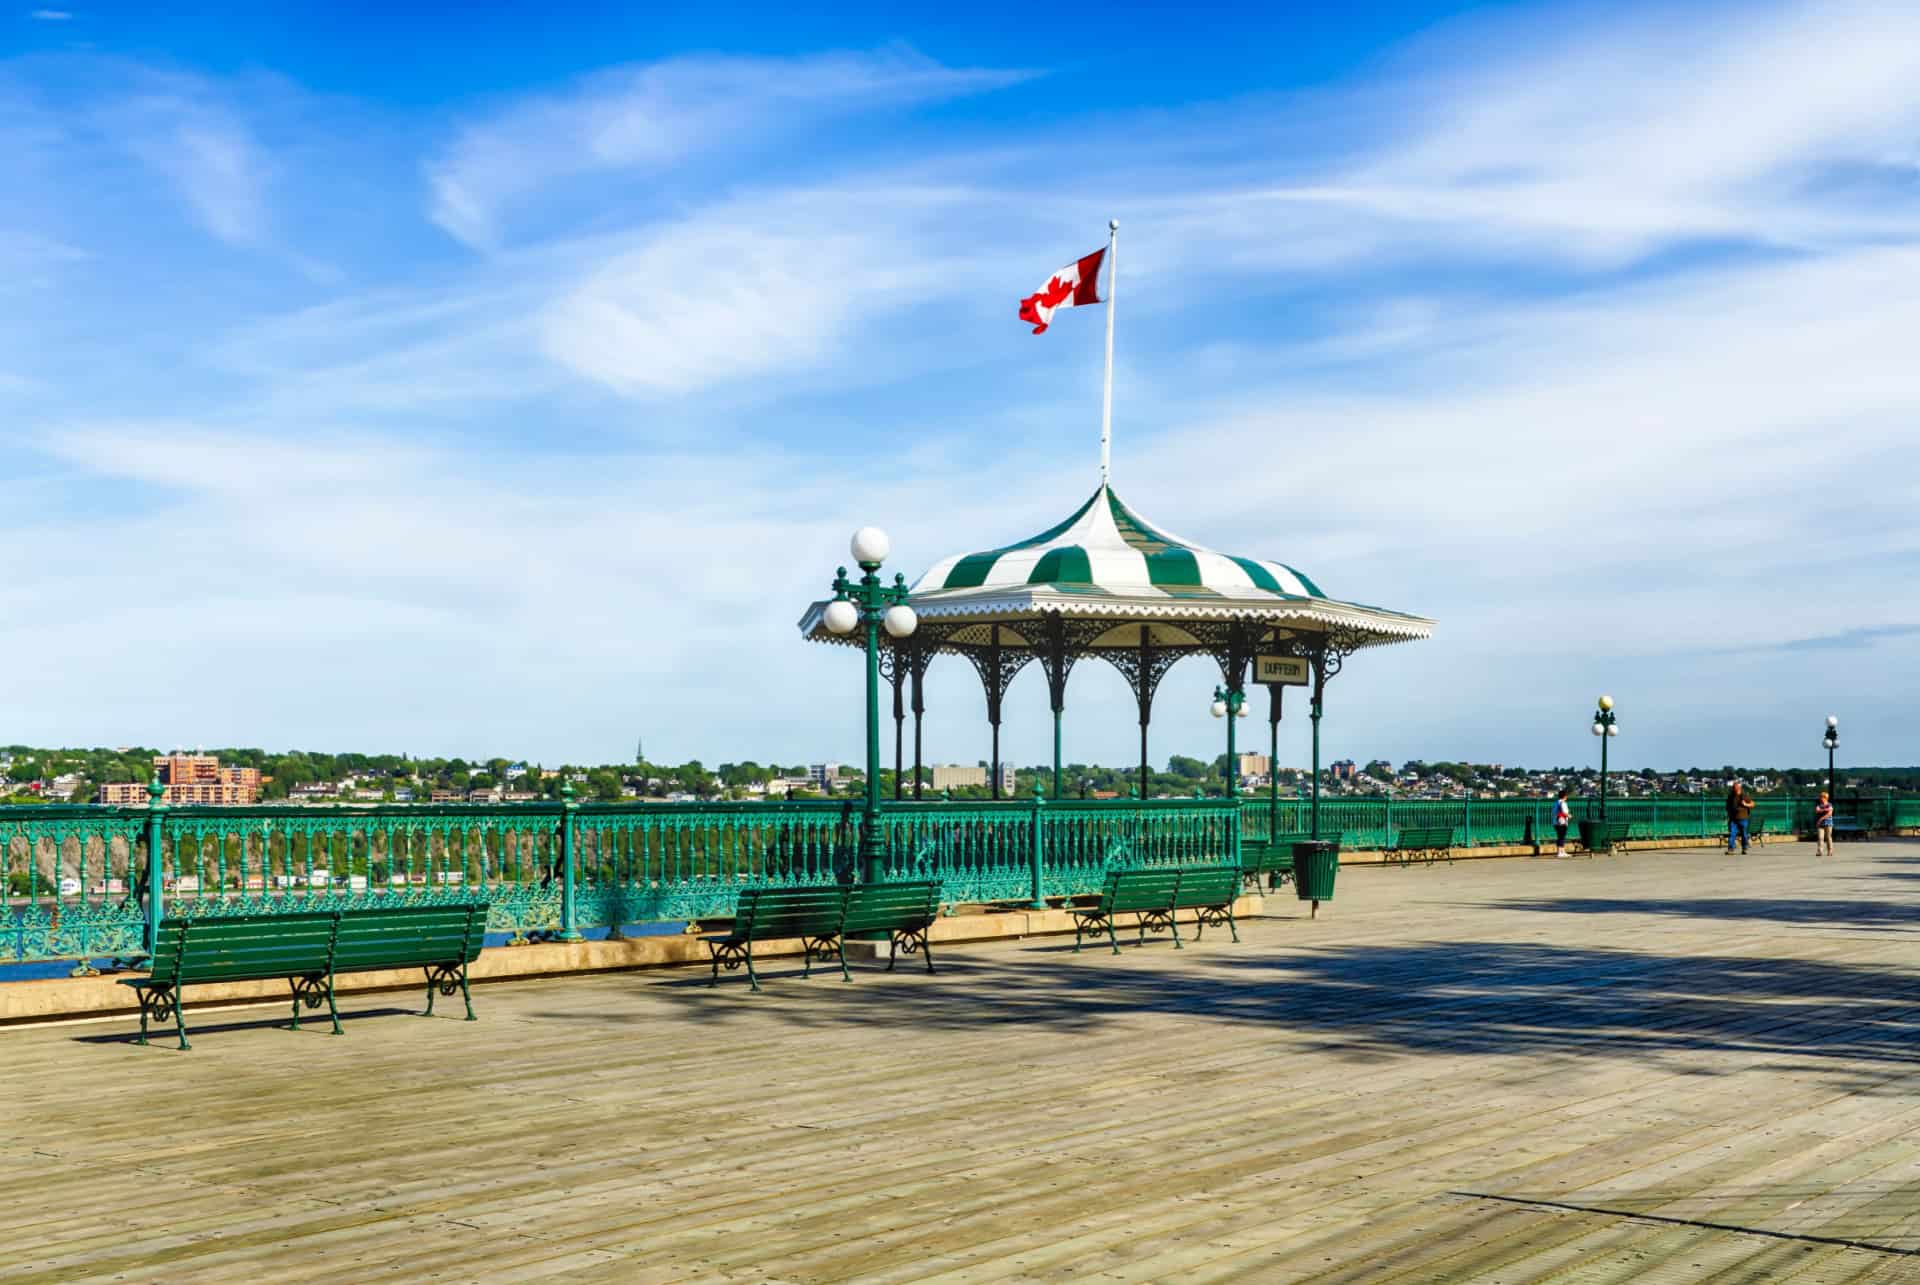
[[1739, 808]]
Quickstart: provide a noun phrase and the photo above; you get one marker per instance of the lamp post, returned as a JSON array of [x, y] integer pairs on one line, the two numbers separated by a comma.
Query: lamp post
[[1606, 728], [1230, 703], [870, 603], [1832, 741]]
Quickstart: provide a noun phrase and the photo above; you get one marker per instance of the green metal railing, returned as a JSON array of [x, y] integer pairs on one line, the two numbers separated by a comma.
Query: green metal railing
[[1372, 822], [86, 882]]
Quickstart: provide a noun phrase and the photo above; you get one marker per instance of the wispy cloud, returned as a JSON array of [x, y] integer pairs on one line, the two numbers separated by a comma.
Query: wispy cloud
[[208, 156], [50, 15], [643, 119]]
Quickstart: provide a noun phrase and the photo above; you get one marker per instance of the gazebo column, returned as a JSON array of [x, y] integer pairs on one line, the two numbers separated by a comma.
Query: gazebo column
[[894, 664], [1143, 666], [1232, 646], [1063, 642], [1274, 692], [997, 664], [919, 712], [1326, 655]]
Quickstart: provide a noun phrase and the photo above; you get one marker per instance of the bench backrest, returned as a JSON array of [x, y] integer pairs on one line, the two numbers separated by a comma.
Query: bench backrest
[[242, 947], [1148, 889], [1206, 886], [409, 937], [1425, 836], [807, 911], [892, 907], [1258, 856]]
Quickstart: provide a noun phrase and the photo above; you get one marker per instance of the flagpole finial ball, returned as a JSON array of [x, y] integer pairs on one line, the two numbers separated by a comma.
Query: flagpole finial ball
[[1113, 225]]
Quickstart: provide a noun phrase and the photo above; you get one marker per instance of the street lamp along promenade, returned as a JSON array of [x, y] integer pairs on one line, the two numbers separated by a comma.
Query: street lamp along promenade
[[1832, 741], [1230, 701], [875, 605], [1606, 728]]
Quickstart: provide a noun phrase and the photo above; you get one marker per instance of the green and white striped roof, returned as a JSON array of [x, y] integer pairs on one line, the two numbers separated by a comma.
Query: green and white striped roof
[[1106, 549], [1106, 563]]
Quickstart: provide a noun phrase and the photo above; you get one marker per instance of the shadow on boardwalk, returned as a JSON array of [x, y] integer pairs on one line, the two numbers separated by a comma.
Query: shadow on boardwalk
[[1860, 915], [1859, 1025]]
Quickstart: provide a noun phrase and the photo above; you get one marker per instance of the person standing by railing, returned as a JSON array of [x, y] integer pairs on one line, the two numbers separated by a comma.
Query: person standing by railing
[[1823, 826], [1562, 818], [1739, 809]]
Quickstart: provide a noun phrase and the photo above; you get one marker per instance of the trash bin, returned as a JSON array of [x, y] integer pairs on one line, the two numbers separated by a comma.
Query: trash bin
[[1316, 862], [1593, 837]]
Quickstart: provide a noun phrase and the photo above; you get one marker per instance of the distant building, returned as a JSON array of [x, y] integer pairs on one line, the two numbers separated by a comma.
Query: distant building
[[1342, 770], [189, 780], [959, 776], [823, 775], [1255, 765], [199, 778]]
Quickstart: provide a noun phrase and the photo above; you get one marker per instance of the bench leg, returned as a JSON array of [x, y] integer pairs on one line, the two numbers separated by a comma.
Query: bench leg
[[1113, 936], [430, 990], [180, 1018], [713, 949], [332, 1012], [753, 978], [1173, 926], [466, 994], [840, 945], [926, 948], [158, 1003]]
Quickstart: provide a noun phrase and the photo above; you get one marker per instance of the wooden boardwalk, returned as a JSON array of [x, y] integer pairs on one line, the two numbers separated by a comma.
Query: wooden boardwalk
[[1655, 1068]]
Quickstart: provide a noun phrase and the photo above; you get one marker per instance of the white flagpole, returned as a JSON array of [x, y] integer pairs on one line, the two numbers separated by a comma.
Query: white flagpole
[[1106, 401]]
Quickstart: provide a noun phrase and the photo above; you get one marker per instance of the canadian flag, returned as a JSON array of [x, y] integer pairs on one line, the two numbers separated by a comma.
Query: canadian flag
[[1077, 283]]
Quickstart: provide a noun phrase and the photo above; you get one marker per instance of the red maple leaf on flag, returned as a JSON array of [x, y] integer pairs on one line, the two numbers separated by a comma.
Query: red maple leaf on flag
[[1050, 296]]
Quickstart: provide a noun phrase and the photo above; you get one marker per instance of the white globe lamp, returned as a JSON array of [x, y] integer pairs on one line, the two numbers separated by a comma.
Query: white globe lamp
[[1218, 709], [842, 617], [900, 621], [1599, 730], [869, 546]]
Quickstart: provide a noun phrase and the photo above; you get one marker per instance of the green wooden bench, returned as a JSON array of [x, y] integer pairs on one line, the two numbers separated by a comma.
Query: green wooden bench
[[822, 917], [1756, 831], [813, 913], [903, 911], [309, 950], [1148, 892], [1849, 828], [1605, 836], [1209, 892], [1428, 842], [1274, 859]]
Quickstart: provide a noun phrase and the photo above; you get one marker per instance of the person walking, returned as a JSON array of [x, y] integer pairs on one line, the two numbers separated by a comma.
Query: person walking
[[1739, 808], [1562, 818], [1823, 827]]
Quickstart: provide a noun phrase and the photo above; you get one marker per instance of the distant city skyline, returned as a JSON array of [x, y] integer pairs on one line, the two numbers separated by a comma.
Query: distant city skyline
[[520, 381]]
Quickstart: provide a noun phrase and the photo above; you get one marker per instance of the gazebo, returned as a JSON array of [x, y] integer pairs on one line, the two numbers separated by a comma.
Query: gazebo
[[1107, 583]]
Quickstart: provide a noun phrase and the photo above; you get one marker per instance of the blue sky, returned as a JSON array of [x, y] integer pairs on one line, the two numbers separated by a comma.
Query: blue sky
[[465, 381]]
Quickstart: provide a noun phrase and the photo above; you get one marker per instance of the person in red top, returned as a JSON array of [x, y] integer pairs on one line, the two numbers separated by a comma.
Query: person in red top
[[1823, 827]]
